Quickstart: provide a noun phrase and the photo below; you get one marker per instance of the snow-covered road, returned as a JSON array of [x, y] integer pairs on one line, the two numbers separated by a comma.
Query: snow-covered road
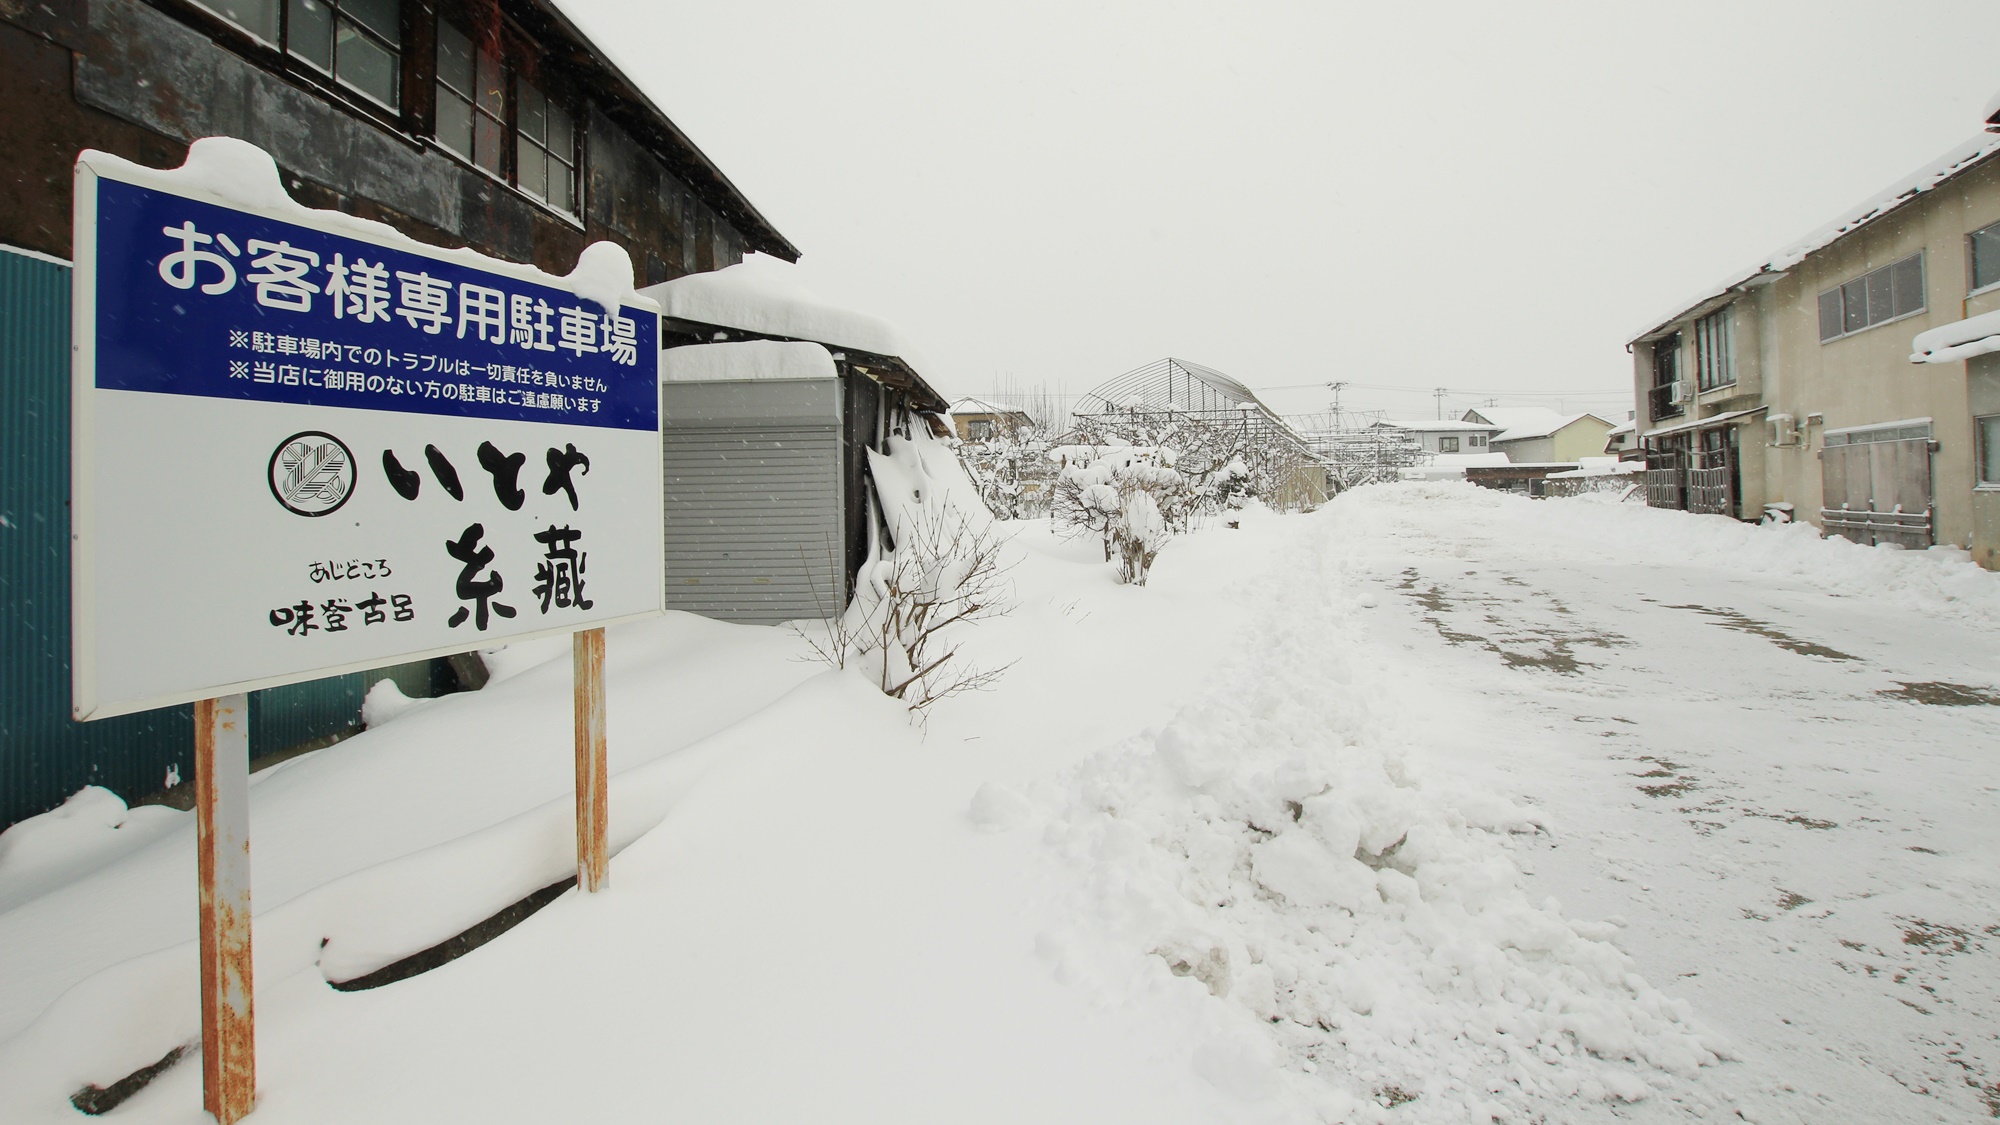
[[1780, 779]]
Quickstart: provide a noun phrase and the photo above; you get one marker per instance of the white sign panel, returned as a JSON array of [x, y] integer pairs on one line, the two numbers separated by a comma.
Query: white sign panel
[[304, 446]]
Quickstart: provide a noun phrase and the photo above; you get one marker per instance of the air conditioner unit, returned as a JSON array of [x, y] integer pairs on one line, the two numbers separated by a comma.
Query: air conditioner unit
[[1784, 429], [1683, 390]]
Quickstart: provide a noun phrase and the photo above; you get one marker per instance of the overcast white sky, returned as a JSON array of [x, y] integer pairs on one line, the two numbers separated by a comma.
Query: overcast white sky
[[1487, 197]]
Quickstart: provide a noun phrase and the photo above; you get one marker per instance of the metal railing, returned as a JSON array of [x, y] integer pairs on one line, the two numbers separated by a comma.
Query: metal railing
[[1661, 401]]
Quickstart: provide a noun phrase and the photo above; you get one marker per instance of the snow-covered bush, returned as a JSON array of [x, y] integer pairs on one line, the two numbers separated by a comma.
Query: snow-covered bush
[[1225, 461], [1140, 531], [944, 572], [1011, 470], [1128, 499], [939, 572]]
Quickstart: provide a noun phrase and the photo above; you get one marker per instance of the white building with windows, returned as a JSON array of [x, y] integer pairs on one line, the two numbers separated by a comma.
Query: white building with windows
[[1446, 436], [1852, 378]]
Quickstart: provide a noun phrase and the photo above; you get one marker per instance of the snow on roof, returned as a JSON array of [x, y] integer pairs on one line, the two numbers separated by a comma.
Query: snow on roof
[[1961, 339], [1959, 158], [746, 360], [1521, 423], [762, 294], [1628, 426]]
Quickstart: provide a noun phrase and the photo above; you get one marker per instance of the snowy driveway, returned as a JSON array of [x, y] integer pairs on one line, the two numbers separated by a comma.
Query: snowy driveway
[[1776, 767]]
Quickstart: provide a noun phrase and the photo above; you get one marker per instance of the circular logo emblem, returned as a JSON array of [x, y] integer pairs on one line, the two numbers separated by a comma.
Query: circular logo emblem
[[312, 473]]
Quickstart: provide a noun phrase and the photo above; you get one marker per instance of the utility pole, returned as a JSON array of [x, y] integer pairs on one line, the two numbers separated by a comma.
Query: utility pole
[[1335, 388], [1439, 395]]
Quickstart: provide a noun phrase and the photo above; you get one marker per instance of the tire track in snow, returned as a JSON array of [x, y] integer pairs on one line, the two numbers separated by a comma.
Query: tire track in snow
[[1758, 782]]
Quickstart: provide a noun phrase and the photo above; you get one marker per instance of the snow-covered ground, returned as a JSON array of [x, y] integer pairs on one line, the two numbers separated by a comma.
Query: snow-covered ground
[[1434, 805]]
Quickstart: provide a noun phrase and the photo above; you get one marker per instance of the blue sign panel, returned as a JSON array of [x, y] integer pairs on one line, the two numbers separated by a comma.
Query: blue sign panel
[[201, 300]]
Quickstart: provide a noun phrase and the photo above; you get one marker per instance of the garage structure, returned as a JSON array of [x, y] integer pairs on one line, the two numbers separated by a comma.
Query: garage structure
[[770, 403]]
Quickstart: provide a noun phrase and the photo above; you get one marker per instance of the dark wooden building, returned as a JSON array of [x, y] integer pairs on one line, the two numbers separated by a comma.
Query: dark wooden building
[[493, 124]]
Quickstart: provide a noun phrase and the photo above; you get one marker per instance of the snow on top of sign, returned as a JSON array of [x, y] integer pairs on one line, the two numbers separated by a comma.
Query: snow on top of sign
[[1961, 339], [748, 359], [1929, 175], [762, 294], [239, 174]]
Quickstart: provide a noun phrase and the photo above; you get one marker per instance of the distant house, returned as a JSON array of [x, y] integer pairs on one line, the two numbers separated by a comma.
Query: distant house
[[976, 420], [1851, 378], [1446, 436], [1623, 441], [1538, 435]]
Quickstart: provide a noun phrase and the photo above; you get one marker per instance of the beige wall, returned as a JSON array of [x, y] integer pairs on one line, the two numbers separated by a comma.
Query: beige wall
[[1584, 437], [1863, 378]]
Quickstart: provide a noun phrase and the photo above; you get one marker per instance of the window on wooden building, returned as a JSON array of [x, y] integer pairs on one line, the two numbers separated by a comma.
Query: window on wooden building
[[1890, 293], [476, 89], [356, 43]]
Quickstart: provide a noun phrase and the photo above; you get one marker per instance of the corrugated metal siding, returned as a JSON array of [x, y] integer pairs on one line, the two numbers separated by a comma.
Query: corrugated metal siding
[[44, 754], [753, 516]]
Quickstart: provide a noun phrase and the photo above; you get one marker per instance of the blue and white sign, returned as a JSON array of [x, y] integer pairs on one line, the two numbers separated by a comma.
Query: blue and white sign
[[306, 444]]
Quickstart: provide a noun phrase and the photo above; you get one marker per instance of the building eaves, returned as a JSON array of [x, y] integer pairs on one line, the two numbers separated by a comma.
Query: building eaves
[[1928, 177], [634, 110]]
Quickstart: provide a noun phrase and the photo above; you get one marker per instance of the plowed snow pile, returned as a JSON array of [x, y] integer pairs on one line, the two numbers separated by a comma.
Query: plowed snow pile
[[1278, 843]]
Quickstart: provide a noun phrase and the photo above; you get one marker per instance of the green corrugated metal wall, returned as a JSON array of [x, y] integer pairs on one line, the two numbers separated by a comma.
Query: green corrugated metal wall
[[44, 754]]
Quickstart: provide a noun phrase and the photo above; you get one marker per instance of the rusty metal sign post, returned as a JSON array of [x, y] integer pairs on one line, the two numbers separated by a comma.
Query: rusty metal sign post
[[593, 775], [222, 829]]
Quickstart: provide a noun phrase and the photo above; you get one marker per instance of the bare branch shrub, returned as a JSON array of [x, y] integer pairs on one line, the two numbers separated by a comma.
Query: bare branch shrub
[[905, 624]]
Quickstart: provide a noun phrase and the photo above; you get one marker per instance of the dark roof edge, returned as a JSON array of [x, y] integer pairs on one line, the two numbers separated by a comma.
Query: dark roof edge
[[734, 205]]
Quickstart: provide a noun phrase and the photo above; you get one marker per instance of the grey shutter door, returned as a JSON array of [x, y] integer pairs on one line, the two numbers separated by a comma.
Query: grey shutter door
[[753, 513]]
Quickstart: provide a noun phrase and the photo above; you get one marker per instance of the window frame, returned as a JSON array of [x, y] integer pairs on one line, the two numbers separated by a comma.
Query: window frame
[[1866, 281], [1985, 438], [277, 58], [1972, 288], [1450, 448], [517, 60], [1715, 350]]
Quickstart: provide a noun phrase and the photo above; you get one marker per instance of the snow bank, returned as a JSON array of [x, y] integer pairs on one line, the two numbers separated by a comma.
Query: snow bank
[[746, 360], [87, 830], [1279, 847], [239, 174]]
